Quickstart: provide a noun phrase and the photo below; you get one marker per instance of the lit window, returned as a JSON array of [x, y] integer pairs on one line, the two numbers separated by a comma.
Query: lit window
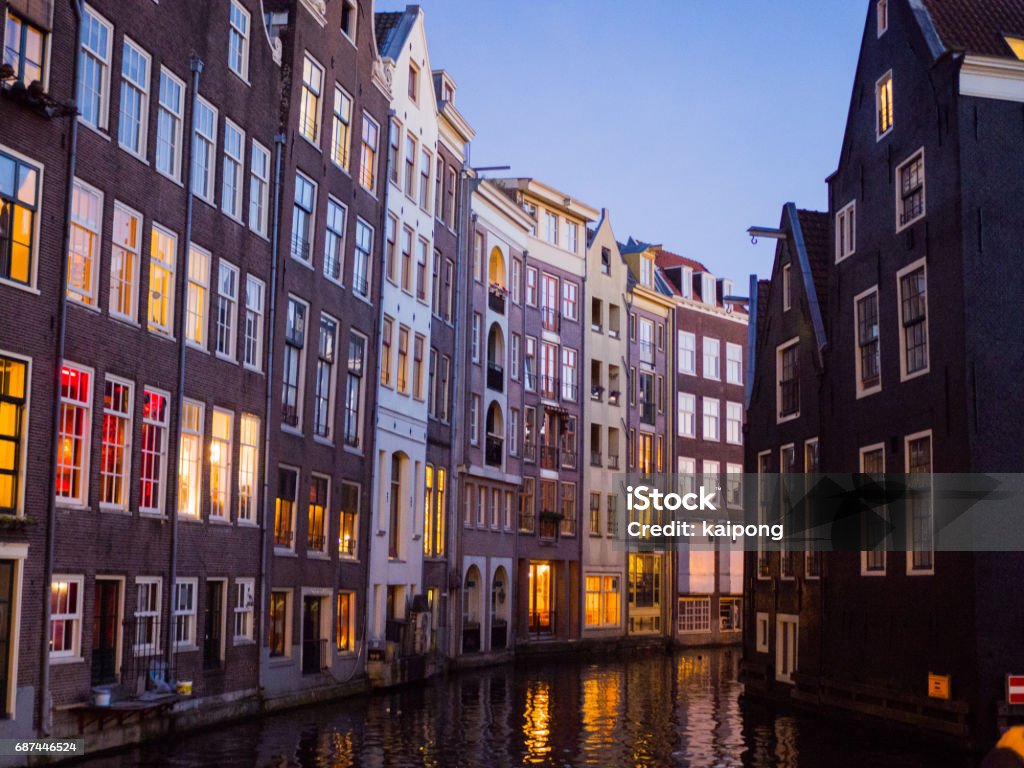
[[74, 426], [345, 623], [323, 405], [231, 186], [303, 218], [19, 196], [368, 155], [387, 331], [65, 617], [361, 256], [244, 610], [277, 624], [354, 389], [334, 241], [292, 365], [115, 447], [84, 244], [403, 360], [253, 351], [220, 463], [319, 501], [846, 231], [284, 510], [184, 613], [913, 312], [153, 465], [868, 348], [94, 68], [190, 460], [309, 101], [348, 529], [238, 40], [883, 105], [248, 466], [198, 296], [910, 205], [168, 125], [23, 49], [13, 433], [125, 259], [134, 105], [259, 188], [227, 309], [341, 128], [204, 151]]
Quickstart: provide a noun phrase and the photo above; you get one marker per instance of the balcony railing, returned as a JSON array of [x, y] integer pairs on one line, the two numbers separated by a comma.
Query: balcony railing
[[282, 532], [496, 299], [300, 248], [316, 541], [597, 394], [595, 458], [314, 656], [647, 413], [529, 451], [527, 521], [549, 387], [613, 461], [361, 285], [494, 451], [550, 319], [548, 457], [568, 459], [570, 391], [614, 396], [542, 623], [495, 377]]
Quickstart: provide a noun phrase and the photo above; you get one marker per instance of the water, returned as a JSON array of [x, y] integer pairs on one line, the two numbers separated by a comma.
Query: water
[[653, 710]]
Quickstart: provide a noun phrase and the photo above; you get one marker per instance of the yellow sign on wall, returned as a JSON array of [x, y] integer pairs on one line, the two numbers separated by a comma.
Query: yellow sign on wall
[[938, 686]]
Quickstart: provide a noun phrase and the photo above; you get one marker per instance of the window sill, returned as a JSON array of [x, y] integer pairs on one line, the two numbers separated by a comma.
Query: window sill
[[324, 441], [82, 305], [115, 510], [315, 555], [246, 523], [61, 660], [186, 648], [124, 320], [152, 515], [225, 358], [20, 286], [101, 132], [131, 153], [222, 521], [242, 642], [190, 519], [281, 552]]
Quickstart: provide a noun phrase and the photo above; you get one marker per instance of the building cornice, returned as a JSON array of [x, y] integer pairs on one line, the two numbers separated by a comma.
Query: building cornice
[[988, 77]]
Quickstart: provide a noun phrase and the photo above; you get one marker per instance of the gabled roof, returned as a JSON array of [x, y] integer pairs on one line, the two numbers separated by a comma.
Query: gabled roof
[[384, 26], [815, 227], [974, 26], [668, 260]]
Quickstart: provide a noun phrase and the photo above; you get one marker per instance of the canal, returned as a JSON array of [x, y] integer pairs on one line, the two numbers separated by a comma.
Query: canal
[[651, 710]]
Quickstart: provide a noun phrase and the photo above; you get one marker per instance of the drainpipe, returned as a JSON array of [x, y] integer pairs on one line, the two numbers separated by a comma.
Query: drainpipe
[[279, 140], [44, 710], [179, 396]]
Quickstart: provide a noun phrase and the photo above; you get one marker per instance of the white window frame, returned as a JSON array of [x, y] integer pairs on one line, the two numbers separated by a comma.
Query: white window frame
[[233, 169], [224, 445], [237, 33], [130, 254], [886, 79], [86, 294], [226, 268], [160, 452], [152, 612], [846, 231], [686, 343], [782, 622], [683, 415], [911, 570], [335, 233], [707, 414], [143, 90], [253, 330], [82, 498], [779, 418], [124, 476], [197, 297], [711, 345], [177, 114], [171, 269], [259, 188], [861, 453], [103, 59], [188, 613], [243, 608], [763, 625], [733, 415], [898, 185], [316, 94], [341, 129], [881, 17], [197, 436], [209, 173], [863, 391], [75, 616], [733, 356], [921, 263], [694, 616], [247, 473]]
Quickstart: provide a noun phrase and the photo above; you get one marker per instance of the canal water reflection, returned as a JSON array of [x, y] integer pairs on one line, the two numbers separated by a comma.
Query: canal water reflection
[[652, 710]]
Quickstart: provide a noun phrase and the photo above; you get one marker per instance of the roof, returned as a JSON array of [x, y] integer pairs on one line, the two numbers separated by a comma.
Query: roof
[[816, 228], [384, 27], [976, 26], [668, 260]]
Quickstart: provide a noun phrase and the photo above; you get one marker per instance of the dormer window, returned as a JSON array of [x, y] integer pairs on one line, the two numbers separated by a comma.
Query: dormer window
[[882, 16], [647, 271], [1016, 45], [448, 92], [707, 289], [23, 49], [687, 282]]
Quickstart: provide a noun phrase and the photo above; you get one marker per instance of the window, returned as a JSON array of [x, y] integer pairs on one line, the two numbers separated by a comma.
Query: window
[[868, 360], [368, 158], [606, 261], [394, 150], [399, 464], [361, 256], [531, 286], [734, 423], [323, 405], [514, 355], [527, 515], [244, 610], [162, 257], [234, 160], [124, 262], [341, 128], [883, 105], [252, 355], [417, 366], [568, 523], [190, 460], [309, 99], [787, 287], [19, 201], [846, 231], [730, 614], [354, 388], [66, 617], [407, 236], [238, 40], [391, 249], [435, 284], [710, 407], [84, 245], [284, 508], [602, 600], [788, 393], [303, 218], [435, 513], [570, 300], [595, 514], [184, 613], [874, 528], [197, 297], [422, 248], [647, 271], [687, 414], [570, 370], [474, 420], [913, 315], [149, 591], [786, 644], [549, 302], [387, 332], [687, 348], [221, 434], [248, 467], [414, 82], [74, 427], [402, 368], [572, 236], [426, 161], [410, 164], [646, 340], [349, 15], [134, 107], [94, 69], [348, 529], [712, 358], [694, 615], [707, 289], [319, 501], [227, 309], [476, 339], [444, 387], [24, 47], [259, 188], [882, 16], [734, 485], [13, 430], [169, 114], [115, 447], [153, 465], [293, 363], [334, 241], [345, 623], [279, 634], [921, 558], [551, 230], [910, 205], [453, 180], [204, 150], [439, 189], [734, 363], [513, 432], [449, 290]]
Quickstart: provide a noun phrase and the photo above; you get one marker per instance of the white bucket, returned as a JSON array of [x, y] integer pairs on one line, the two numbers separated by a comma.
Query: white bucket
[[101, 697]]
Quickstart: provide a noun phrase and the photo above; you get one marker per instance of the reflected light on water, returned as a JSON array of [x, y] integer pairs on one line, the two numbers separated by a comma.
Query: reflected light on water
[[537, 722]]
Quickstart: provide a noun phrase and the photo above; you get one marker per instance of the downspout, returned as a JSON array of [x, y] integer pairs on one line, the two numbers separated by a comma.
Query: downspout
[[179, 395], [44, 710], [261, 576]]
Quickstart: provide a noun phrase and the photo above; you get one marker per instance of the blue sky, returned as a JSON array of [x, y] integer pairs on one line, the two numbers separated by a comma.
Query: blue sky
[[688, 119]]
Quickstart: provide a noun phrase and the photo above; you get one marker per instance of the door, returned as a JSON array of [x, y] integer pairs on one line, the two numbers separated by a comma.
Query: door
[[106, 614], [213, 632], [311, 640], [6, 628], [540, 601]]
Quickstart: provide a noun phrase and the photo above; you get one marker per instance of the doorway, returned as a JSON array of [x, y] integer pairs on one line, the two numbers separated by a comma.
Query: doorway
[[106, 635], [541, 599], [314, 644], [213, 632]]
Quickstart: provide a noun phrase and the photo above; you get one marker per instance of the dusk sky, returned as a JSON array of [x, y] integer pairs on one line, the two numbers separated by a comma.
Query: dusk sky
[[688, 120]]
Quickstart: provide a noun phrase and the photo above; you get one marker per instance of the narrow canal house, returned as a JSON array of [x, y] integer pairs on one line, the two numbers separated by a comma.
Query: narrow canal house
[[709, 333], [604, 434], [925, 214], [324, 352], [490, 449], [549, 586]]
